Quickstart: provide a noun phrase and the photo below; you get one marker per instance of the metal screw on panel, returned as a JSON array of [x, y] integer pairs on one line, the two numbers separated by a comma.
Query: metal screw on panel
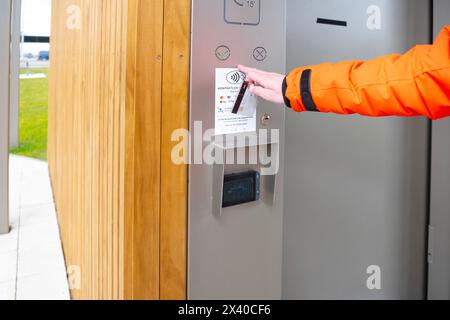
[[158, 57], [266, 120]]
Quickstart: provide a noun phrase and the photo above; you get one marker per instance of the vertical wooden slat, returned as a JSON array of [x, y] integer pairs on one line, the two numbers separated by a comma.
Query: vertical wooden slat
[[147, 150], [128, 142], [174, 178]]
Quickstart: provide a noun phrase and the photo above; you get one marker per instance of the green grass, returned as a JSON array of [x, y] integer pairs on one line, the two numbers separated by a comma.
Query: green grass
[[33, 117]]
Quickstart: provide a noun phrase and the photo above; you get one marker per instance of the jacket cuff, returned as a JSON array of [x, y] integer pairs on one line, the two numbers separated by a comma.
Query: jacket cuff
[[284, 88], [305, 89], [297, 90]]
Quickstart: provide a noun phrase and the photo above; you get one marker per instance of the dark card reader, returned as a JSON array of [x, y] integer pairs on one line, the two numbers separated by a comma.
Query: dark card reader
[[241, 188]]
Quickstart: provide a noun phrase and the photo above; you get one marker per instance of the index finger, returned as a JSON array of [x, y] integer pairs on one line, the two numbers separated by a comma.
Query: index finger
[[245, 69], [255, 76]]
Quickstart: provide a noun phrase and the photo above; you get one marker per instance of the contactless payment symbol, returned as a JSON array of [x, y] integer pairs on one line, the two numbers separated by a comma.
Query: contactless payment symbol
[[235, 77]]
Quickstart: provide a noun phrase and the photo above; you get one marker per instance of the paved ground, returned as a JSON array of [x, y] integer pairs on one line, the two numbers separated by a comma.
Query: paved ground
[[33, 76], [31, 258], [34, 64]]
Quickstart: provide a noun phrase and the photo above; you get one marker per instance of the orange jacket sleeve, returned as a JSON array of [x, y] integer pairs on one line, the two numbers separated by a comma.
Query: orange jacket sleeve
[[414, 84]]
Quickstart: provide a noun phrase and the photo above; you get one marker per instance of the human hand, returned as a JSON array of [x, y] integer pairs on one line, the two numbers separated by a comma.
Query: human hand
[[264, 84]]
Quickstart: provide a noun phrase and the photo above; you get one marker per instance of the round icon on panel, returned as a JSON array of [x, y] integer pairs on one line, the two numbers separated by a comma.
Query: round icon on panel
[[223, 53], [260, 54]]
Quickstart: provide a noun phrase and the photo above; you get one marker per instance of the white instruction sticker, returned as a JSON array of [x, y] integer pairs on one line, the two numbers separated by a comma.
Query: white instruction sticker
[[228, 83]]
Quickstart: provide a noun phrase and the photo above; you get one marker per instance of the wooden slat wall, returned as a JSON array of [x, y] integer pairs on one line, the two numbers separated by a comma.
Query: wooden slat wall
[[118, 88]]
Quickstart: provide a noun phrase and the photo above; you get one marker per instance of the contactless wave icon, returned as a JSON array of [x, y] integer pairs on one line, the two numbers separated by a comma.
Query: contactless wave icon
[[235, 77]]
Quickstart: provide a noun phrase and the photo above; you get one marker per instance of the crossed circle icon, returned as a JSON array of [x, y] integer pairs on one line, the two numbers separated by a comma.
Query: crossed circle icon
[[260, 54]]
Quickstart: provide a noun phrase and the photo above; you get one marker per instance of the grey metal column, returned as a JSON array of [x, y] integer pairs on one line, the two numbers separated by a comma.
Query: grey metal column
[[439, 238], [5, 28], [356, 187], [15, 71]]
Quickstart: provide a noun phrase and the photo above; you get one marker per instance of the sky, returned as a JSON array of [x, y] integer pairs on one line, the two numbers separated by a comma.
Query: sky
[[36, 21]]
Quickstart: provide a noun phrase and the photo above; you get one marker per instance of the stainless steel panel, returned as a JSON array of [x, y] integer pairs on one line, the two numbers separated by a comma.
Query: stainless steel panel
[[439, 267], [5, 28], [237, 253], [356, 187]]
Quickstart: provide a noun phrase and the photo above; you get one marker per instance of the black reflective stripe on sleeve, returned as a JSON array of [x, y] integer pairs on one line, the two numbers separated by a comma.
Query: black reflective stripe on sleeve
[[305, 89], [284, 88]]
